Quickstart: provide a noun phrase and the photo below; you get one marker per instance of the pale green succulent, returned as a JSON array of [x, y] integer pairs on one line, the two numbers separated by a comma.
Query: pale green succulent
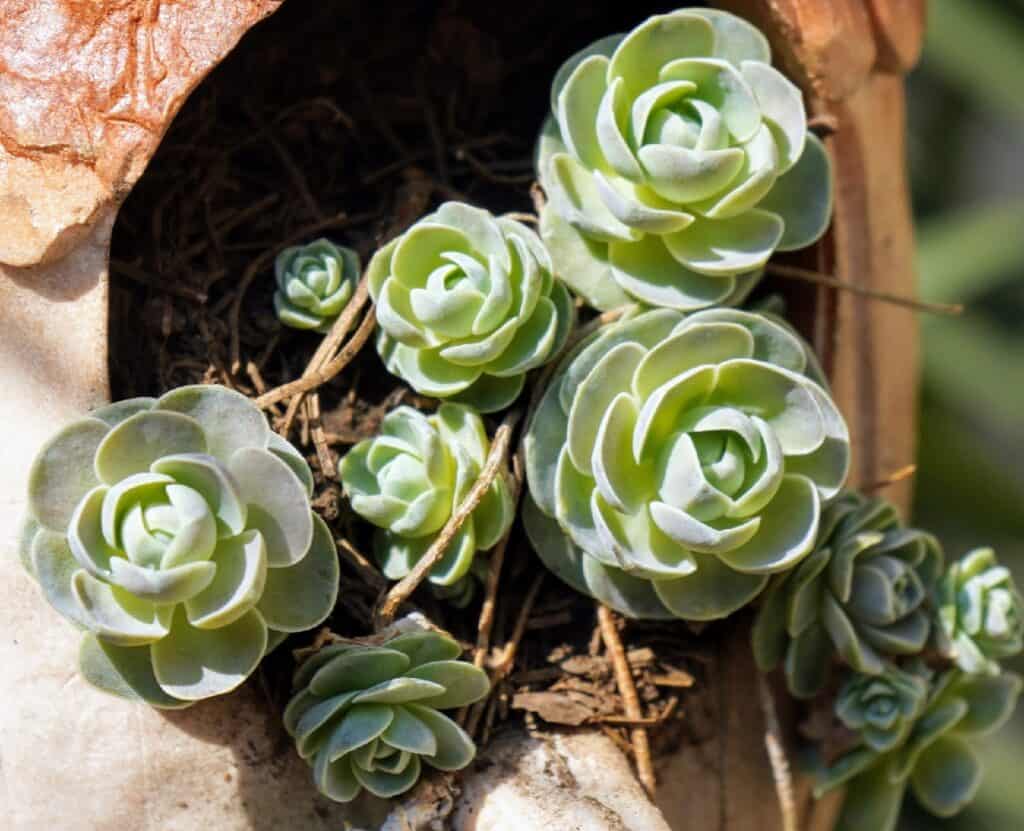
[[177, 533], [467, 306], [409, 479], [314, 282], [931, 750], [368, 716], [675, 463], [981, 612], [862, 595], [676, 161]]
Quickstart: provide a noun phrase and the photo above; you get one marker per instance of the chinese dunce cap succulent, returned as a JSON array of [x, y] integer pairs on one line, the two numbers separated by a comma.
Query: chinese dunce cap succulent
[[467, 305], [981, 612], [367, 716], [676, 161], [177, 532], [409, 480], [314, 282], [677, 462], [864, 595], [917, 730]]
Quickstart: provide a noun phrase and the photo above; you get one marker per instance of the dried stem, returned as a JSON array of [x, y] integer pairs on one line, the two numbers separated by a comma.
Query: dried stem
[[323, 374], [811, 276], [899, 475], [496, 460], [781, 772], [630, 700]]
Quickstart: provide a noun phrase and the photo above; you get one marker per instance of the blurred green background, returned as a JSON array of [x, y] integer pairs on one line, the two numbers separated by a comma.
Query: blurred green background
[[966, 146]]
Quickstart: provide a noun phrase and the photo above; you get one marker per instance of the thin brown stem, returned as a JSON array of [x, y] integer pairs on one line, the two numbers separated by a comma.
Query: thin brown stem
[[496, 460], [810, 276], [630, 700], [781, 773]]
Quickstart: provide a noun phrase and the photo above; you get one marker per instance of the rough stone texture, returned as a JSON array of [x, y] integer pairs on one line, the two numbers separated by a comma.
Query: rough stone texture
[[578, 781], [86, 92]]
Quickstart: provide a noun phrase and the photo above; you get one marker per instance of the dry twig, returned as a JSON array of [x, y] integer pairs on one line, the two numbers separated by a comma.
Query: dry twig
[[630, 700]]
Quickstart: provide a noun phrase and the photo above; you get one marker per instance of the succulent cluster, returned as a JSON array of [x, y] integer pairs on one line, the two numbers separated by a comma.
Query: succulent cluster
[[916, 728], [314, 282], [368, 716], [676, 462], [409, 479], [467, 305], [684, 460], [676, 161], [864, 595], [177, 533]]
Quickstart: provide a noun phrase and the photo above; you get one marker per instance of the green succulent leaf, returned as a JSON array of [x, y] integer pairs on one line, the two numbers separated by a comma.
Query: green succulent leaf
[[676, 161], [178, 533], [658, 459], [467, 306], [367, 716]]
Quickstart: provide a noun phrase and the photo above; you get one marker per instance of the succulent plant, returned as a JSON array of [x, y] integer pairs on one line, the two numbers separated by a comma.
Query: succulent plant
[[676, 160], [408, 480], [314, 282], [367, 716], [981, 612], [930, 750], [177, 532], [675, 463], [882, 707], [863, 594], [467, 305]]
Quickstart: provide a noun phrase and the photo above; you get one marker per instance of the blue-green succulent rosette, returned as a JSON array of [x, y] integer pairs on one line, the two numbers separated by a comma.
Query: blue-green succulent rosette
[[676, 161], [863, 596], [314, 283], [177, 534], [914, 729], [466, 306], [676, 462]]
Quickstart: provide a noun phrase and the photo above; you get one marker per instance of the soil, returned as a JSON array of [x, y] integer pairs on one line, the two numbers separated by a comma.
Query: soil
[[351, 120]]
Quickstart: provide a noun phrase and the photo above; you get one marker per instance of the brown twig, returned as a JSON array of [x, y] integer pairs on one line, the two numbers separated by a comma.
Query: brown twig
[[810, 276], [781, 773], [365, 568], [630, 700], [325, 373], [899, 475], [316, 432], [496, 459]]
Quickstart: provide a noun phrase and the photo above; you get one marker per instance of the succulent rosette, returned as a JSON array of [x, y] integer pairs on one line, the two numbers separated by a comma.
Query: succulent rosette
[[675, 463], [928, 745], [410, 479], [981, 612], [882, 707], [467, 306], [676, 161], [369, 716], [177, 532], [314, 282], [864, 595]]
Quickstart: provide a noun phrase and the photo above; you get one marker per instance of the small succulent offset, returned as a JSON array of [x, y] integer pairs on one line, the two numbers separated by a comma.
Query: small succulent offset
[[408, 480], [981, 612], [677, 159], [467, 306], [368, 716], [675, 463], [863, 594], [314, 282], [177, 533], [915, 729]]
